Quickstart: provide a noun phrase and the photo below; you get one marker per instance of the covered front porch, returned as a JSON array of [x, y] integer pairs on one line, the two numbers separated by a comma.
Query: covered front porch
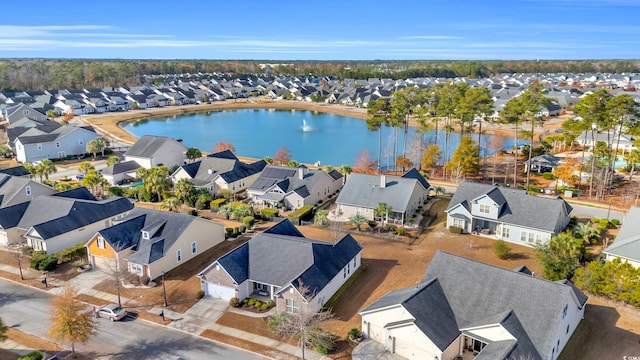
[[261, 291], [486, 228], [270, 200]]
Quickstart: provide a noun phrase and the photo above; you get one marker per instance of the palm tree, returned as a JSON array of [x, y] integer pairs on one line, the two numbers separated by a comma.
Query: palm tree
[[103, 143], [225, 209], [184, 190], [321, 217], [193, 153], [171, 203], [241, 211], [382, 211], [113, 159], [439, 190], [84, 167], [47, 167], [586, 232], [357, 220]]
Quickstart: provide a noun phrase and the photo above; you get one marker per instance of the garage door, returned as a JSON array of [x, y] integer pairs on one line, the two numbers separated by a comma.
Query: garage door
[[103, 264], [220, 291]]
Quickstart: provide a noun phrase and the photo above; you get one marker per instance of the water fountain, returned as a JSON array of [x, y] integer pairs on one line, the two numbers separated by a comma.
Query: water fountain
[[306, 127]]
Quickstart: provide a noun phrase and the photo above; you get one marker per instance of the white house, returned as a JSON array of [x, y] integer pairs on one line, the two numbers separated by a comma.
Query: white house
[[151, 150], [293, 188], [507, 214], [221, 170], [55, 222], [299, 274], [475, 310], [15, 190]]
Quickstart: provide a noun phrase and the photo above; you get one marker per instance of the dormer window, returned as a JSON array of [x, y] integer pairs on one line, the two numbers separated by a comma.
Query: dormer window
[[145, 235], [27, 190], [100, 242]]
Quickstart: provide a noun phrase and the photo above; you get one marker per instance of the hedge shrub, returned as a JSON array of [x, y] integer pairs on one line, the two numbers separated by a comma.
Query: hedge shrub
[[228, 232], [249, 221], [34, 355], [455, 229], [269, 213], [301, 213], [42, 261], [71, 253], [215, 204], [548, 176], [501, 249]]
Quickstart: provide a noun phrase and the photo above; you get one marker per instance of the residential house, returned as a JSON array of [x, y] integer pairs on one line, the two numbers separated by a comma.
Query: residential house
[[151, 150], [119, 173], [544, 163], [15, 190], [298, 273], [52, 141], [508, 214], [614, 140], [21, 110], [363, 192], [626, 246], [55, 222], [293, 188], [467, 309], [221, 170], [149, 242]]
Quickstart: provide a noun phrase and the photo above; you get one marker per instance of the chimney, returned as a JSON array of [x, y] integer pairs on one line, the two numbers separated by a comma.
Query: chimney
[[383, 181], [300, 173], [210, 171]]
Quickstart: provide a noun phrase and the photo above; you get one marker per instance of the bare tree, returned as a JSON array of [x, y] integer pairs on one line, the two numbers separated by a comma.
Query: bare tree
[[337, 229], [305, 325], [115, 268]]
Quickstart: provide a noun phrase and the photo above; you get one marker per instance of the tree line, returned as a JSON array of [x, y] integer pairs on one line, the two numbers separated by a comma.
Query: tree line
[[39, 74]]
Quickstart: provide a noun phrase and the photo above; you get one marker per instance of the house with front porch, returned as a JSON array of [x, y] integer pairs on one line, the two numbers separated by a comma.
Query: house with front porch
[[363, 192], [221, 170], [149, 242], [58, 221], [51, 141], [466, 309], [293, 188], [298, 273], [508, 214]]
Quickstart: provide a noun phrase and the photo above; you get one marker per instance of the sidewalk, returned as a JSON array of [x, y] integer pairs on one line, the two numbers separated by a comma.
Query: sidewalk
[[200, 317]]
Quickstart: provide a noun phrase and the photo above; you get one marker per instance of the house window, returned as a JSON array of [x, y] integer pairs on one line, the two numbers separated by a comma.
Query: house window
[[292, 306], [179, 255], [538, 238], [485, 209], [145, 235], [566, 332], [57, 144], [354, 262], [136, 269], [564, 312], [457, 222], [81, 142], [344, 273], [100, 242], [506, 232], [39, 146], [527, 237], [194, 247], [27, 190], [25, 112]]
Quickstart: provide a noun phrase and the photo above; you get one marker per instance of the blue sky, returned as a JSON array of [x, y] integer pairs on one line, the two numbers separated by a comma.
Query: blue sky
[[323, 30]]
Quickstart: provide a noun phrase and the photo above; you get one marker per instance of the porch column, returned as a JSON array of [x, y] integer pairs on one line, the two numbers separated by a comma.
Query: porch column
[[271, 291]]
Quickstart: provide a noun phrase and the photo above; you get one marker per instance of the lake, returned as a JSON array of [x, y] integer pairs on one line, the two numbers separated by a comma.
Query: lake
[[328, 138]]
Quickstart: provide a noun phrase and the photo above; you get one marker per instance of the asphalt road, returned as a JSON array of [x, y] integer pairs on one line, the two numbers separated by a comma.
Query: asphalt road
[[26, 309]]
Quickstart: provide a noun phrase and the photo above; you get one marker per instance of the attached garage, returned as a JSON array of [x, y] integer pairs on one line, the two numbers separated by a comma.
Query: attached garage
[[220, 291], [3, 239], [102, 263]]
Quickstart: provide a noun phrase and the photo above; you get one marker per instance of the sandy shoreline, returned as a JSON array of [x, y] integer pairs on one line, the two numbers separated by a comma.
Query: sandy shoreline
[[109, 124]]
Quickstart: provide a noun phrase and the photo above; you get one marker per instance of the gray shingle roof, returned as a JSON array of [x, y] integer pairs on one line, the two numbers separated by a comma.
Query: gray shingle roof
[[627, 242], [282, 255], [224, 164], [478, 291], [287, 179], [119, 168], [148, 145], [15, 171], [535, 212], [364, 190], [164, 228]]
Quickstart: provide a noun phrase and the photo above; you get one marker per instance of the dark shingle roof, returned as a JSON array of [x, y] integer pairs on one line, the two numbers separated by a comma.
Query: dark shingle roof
[[415, 174], [364, 190], [478, 291], [164, 229], [15, 171], [535, 212], [10, 216], [124, 235]]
